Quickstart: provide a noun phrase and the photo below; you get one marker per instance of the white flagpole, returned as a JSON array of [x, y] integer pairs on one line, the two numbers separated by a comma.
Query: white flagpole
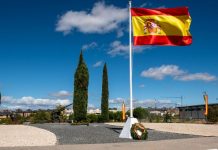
[[130, 58], [125, 133]]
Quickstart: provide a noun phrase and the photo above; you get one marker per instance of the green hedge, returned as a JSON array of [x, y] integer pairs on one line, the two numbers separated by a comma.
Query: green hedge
[[213, 114]]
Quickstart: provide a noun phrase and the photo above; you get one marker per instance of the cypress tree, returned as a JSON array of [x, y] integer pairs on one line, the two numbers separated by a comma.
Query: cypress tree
[[105, 95], [80, 98]]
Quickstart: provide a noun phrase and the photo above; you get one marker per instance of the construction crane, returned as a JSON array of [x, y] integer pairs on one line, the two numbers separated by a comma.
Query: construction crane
[[177, 97]]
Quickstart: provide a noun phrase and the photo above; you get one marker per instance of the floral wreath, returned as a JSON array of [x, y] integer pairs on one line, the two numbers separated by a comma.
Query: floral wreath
[[139, 132]]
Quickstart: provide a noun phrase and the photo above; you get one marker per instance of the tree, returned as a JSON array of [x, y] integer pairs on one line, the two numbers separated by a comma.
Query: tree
[[140, 113], [92, 118], [167, 117], [80, 98], [213, 114], [41, 116], [105, 95]]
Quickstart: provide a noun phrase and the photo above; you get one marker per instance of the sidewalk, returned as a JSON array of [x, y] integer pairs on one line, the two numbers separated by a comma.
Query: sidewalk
[[181, 144]]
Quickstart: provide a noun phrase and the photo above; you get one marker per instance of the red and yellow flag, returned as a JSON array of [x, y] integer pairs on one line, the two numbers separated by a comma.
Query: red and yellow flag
[[123, 112], [206, 104], [162, 26]]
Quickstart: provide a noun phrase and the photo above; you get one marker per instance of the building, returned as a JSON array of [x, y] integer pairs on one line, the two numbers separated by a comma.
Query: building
[[163, 111], [193, 111], [157, 112], [94, 111], [114, 110], [23, 113], [4, 114]]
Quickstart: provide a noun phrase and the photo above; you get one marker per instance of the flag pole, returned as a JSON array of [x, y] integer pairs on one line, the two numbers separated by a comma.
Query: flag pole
[[125, 133], [130, 58]]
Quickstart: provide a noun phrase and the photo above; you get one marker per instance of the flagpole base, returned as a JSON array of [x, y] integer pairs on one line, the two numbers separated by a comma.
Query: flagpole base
[[125, 133]]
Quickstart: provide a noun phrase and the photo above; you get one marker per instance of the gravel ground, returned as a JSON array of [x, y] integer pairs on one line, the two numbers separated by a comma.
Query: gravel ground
[[100, 133]]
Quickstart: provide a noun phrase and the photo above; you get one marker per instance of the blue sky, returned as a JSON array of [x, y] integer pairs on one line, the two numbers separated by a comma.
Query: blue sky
[[40, 42]]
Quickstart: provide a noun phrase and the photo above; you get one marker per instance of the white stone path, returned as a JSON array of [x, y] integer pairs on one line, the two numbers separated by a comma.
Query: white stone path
[[21, 135]]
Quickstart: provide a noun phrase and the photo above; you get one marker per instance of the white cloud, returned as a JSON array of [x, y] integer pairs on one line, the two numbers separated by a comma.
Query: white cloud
[[196, 76], [32, 103], [174, 71], [98, 64], [143, 103], [61, 94], [101, 19], [143, 5], [119, 49], [153, 103], [160, 72], [91, 106], [120, 32], [118, 100], [89, 46], [146, 5], [141, 85]]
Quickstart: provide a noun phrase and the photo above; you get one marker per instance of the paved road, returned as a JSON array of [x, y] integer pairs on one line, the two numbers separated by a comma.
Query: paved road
[[100, 133], [203, 143]]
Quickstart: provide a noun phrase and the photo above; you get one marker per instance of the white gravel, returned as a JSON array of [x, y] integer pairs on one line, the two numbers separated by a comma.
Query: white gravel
[[21, 135], [184, 128]]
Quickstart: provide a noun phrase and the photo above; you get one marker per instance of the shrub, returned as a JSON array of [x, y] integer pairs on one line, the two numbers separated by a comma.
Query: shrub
[[92, 118], [20, 119], [140, 113], [118, 116], [213, 114], [41, 117], [71, 117], [155, 118], [111, 116], [167, 117], [100, 119], [6, 121], [128, 113]]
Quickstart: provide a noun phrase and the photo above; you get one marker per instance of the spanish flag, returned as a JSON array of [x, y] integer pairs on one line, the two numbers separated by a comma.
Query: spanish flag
[[162, 26]]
